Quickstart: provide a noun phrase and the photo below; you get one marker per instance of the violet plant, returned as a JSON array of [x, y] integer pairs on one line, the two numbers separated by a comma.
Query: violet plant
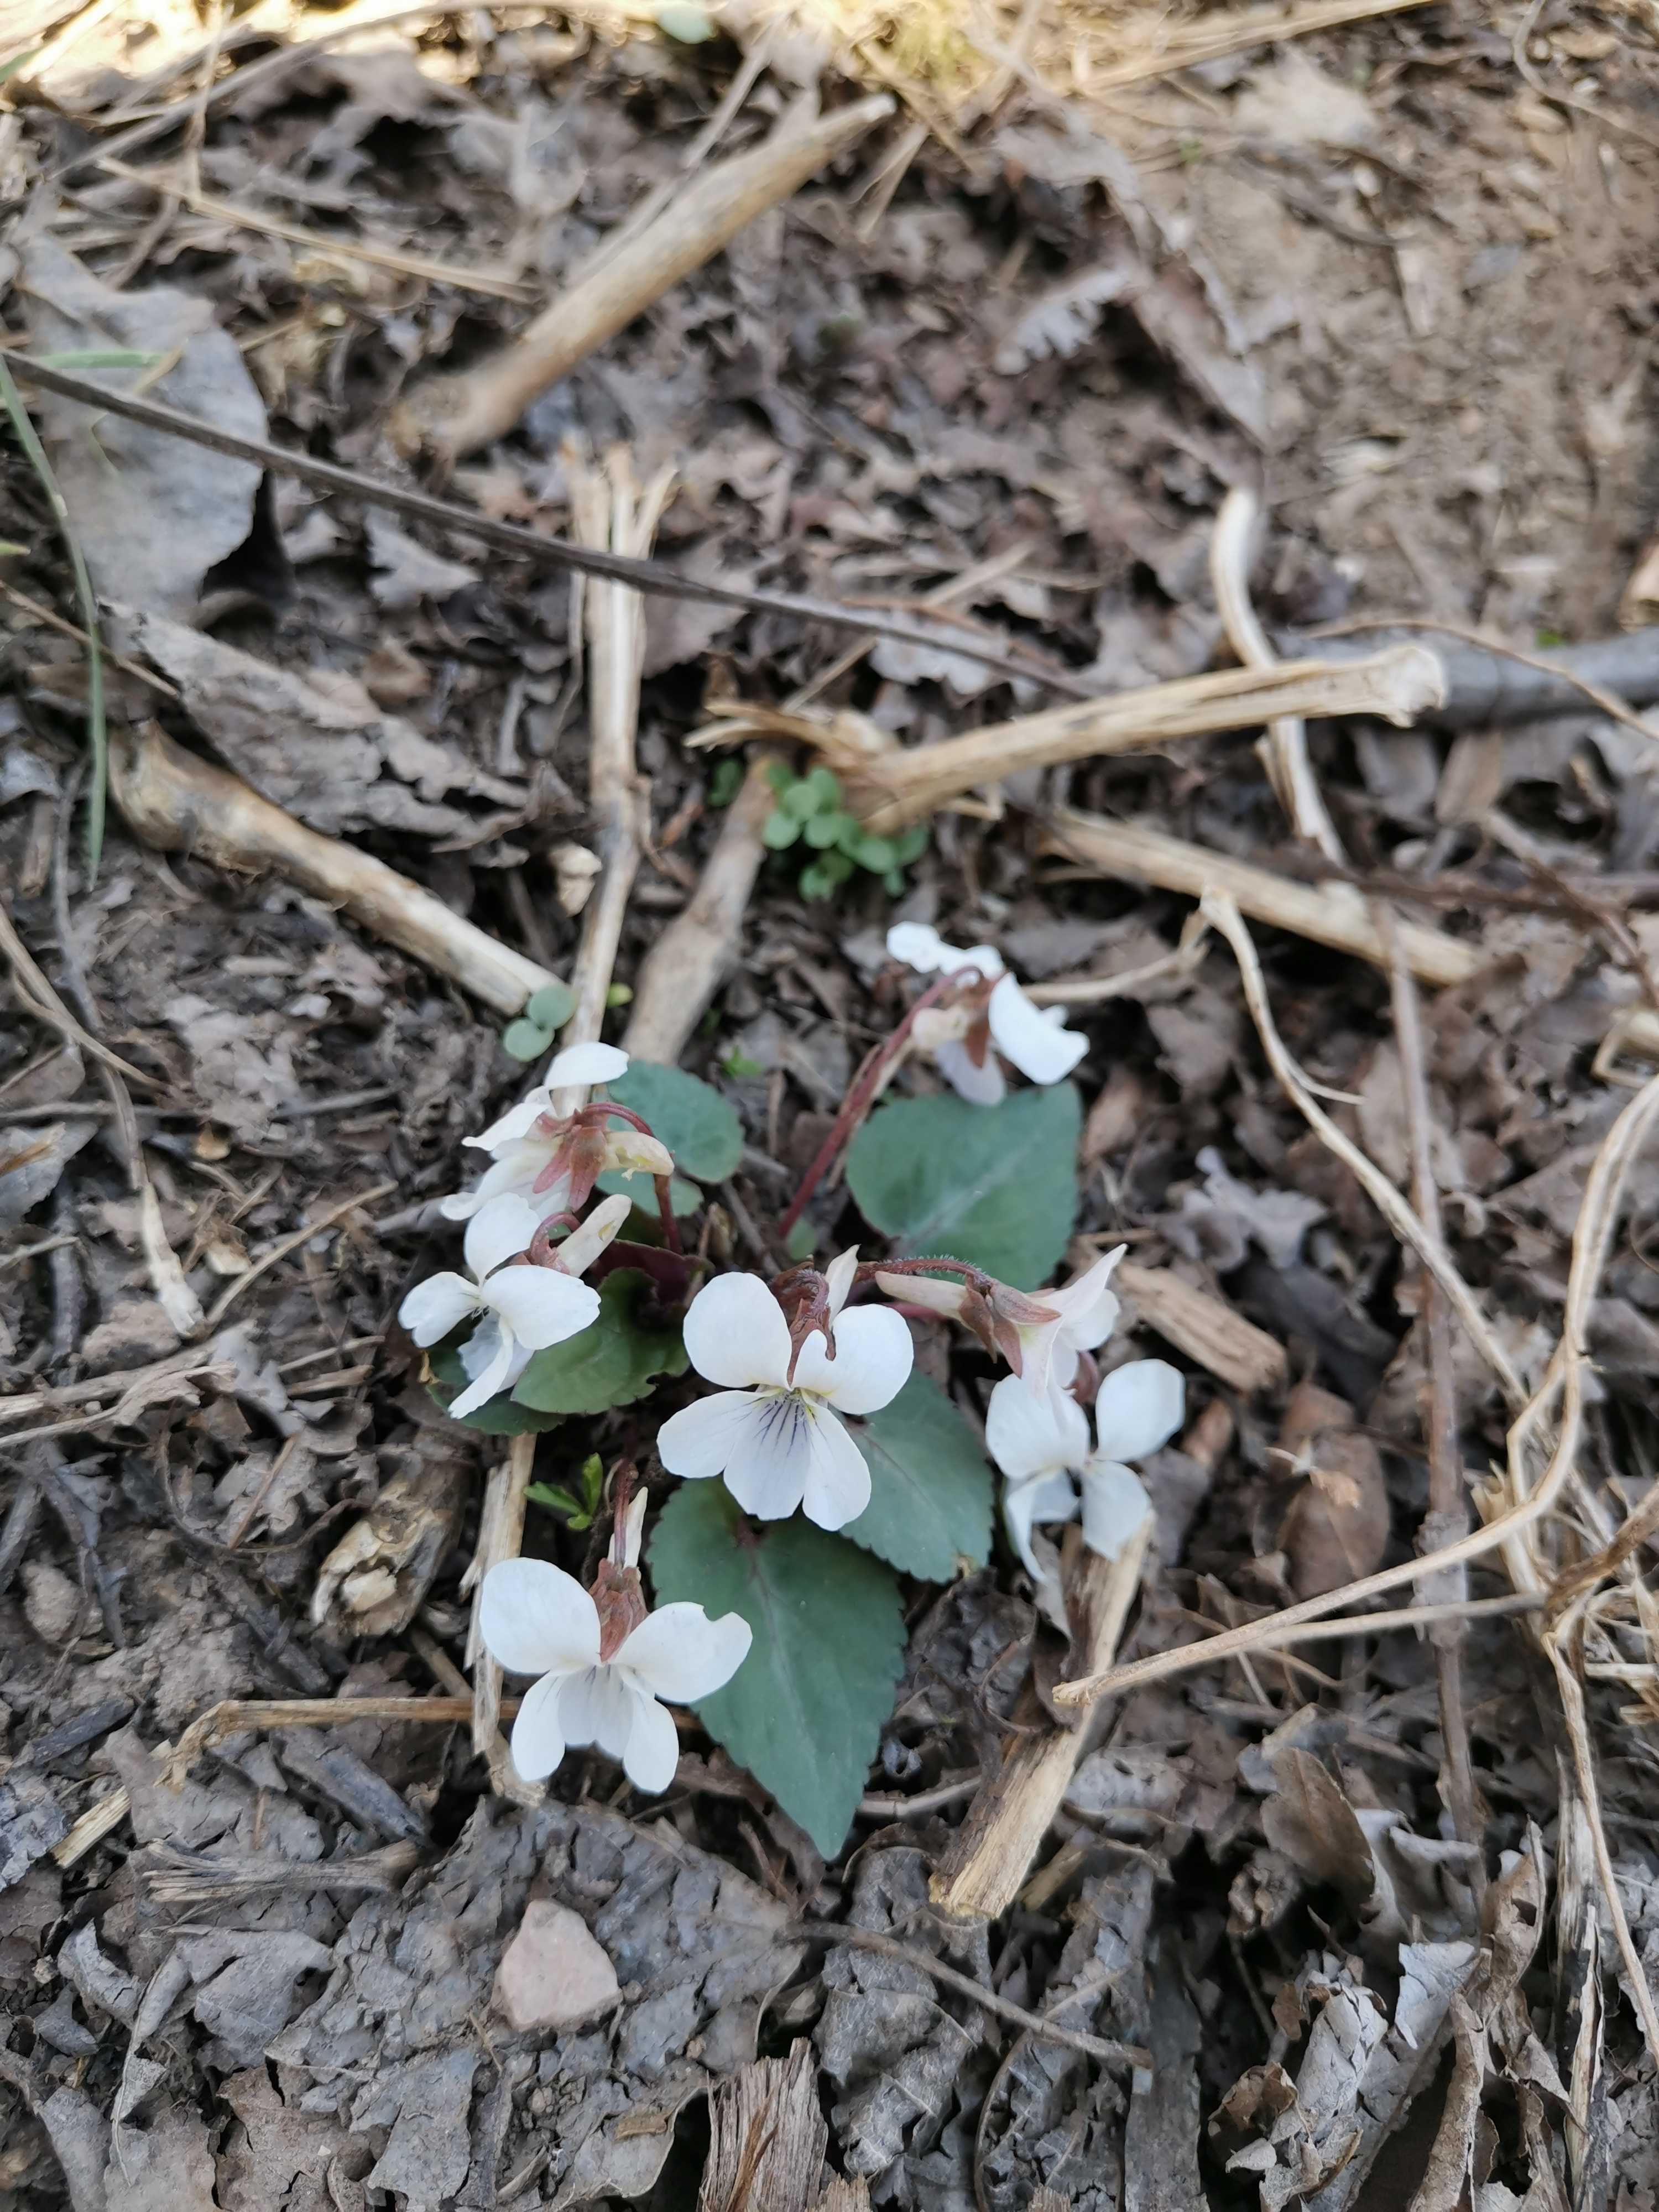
[[820, 1466]]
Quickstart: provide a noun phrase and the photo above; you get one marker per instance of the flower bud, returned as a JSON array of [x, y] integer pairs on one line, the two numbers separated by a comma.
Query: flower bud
[[630, 1152]]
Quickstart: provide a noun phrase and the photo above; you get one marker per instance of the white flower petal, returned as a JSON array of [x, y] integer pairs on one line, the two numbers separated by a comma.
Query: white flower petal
[[1046, 1498], [769, 1471], [654, 1745], [585, 1063], [484, 1346], [736, 1333], [917, 945], [1038, 1048], [936, 1292], [1028, 1432], [1139, 1409], [840, 1276], [437, 1305], [874, 1354], [585, 1243], [538, 1736], [704, 1438], [980, 1084], [597, 1706], [678, 1653], [1088, 1305], [632, 1529], [837, 1487], [1114, 1505], [541, 1306], [516, 1123], [495, 1374], [536, 1620], [500, 1231]]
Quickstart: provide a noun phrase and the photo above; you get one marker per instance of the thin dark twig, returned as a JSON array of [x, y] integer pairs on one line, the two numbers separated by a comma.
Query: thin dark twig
[[1106, 2048], [652, 576], [1449, 1513]]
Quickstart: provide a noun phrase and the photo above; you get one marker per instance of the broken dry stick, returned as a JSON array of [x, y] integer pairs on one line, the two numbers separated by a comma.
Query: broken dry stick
[[460, 413], [680, 975], [1234, 1350], [1336, 914], [985, 1868], [177, 803], [893, 788]]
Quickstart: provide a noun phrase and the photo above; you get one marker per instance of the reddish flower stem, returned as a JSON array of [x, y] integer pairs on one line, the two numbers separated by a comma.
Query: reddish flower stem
[[671, 1228], [860, 1098]]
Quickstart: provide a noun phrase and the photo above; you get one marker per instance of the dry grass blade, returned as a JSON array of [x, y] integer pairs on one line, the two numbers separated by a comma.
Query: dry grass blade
[[320, 241], [1515, 1506], [1230, 31], [1407, 1226], [1290, 770], [97, 729]]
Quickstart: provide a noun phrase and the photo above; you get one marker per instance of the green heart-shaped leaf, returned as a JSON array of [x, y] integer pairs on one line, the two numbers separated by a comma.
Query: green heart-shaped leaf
[[994, 1185], [611, 1363], [699, 1127], [804, 1712], [930, 1486]]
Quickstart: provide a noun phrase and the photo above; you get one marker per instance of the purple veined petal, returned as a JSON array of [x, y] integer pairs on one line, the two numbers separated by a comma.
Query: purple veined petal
[[500, 1231], [874, 1354], [703, 1439], [585, 1064], [597, 1706], [541, 1306], [492, 1377], [652, 1750], [837, 1486], [536, 1620], [1022, 1033], [840, 1275], [1116, 1506], [437, 1305], [980, 1084], [515, 1124], [1046, 1498], [1139, 1409], [678, 1653], [768, 1472], [736, 1334], [1030, 1432], [538, 1737]]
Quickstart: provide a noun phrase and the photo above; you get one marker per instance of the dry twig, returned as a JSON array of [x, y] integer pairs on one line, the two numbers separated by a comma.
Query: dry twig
[[177, 803], [458, 414], [894, 788]]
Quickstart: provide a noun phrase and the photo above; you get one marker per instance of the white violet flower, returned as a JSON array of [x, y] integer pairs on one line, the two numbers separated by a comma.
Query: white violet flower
[[959, 1038], [773, 1430], [1040, 1443], [530, 1147], [602, 1661], [1085, 1312], [521, 1309]]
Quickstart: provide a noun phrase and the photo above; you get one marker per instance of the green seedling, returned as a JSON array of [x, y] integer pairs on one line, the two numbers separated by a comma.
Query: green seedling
[[809, 811]]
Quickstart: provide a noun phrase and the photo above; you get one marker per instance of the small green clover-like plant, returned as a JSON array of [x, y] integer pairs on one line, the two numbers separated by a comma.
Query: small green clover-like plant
[[578, 1513], [546, 1012], [809, 811]]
